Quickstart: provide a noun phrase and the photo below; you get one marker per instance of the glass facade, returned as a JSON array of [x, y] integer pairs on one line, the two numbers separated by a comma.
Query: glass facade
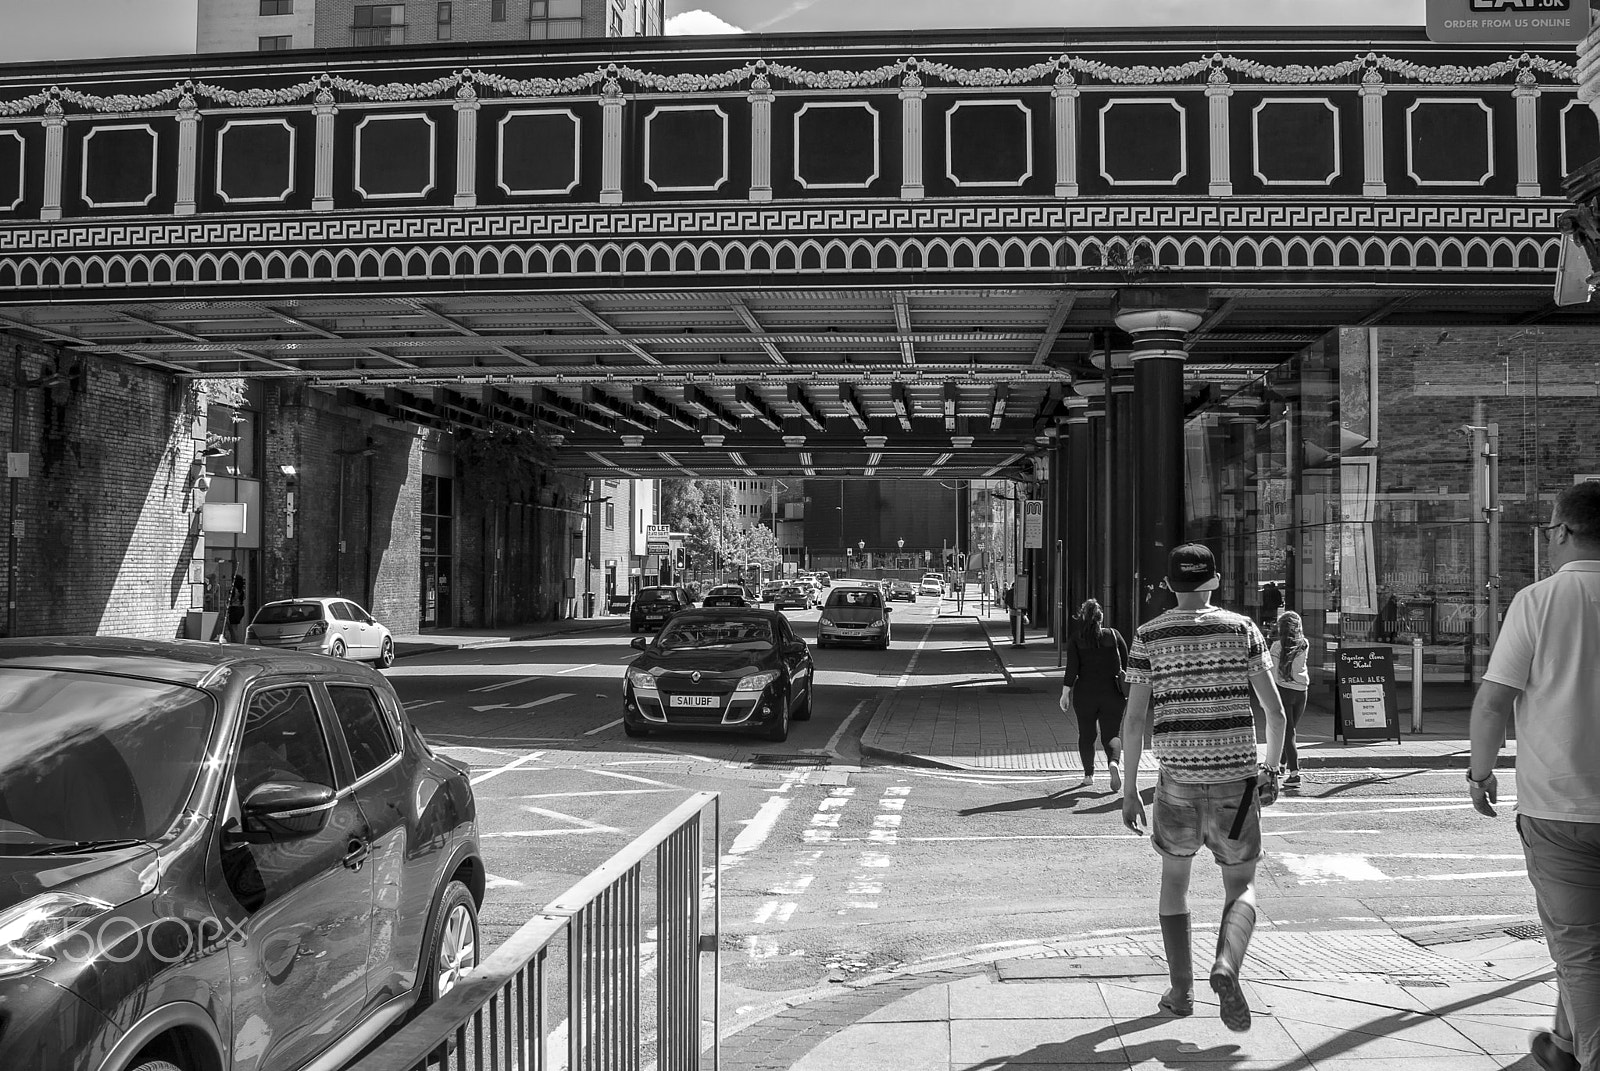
[[1388, 481]]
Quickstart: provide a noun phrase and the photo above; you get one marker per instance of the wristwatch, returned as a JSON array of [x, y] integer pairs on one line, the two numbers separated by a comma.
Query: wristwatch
[[1485, 779]]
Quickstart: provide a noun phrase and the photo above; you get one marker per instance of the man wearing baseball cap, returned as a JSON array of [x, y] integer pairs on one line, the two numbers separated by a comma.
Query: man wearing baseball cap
[[1190, 673]]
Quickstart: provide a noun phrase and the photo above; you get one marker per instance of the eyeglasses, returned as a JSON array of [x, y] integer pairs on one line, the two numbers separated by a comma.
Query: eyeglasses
[[1546, 529]]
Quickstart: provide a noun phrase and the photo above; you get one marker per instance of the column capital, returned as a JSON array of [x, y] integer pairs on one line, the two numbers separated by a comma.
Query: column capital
[[1142, 324], [1089, 388]]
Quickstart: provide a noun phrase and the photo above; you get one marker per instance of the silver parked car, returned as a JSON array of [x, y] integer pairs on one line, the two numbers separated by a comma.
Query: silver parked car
[[336, 627]]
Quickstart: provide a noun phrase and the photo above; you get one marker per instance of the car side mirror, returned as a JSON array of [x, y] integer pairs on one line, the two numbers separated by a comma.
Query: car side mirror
[[795, 646], [888, 609], [286, 810], [639, 643]]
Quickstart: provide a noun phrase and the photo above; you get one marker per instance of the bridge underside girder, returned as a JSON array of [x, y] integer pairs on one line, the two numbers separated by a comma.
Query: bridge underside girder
[[895, 382]]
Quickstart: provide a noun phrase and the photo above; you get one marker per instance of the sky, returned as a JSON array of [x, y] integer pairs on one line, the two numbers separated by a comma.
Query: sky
[[71, 29]]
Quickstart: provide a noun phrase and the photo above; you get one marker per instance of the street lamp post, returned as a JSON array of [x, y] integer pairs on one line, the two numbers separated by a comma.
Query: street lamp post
[[899, 562], [861, 545]]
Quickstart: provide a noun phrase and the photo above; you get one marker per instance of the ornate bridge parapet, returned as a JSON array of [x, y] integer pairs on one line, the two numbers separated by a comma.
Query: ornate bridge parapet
[[1256, 161]]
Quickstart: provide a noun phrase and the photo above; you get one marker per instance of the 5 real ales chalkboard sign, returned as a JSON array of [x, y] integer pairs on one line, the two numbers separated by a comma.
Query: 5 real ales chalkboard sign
[[1366, 708]]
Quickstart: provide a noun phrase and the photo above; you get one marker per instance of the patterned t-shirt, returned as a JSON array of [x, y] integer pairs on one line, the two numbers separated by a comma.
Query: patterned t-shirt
[[1198, 665]]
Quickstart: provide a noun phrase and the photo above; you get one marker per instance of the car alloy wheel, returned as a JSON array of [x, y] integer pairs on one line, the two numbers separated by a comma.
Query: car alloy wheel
[[780, 728], [337, 650], [386, 653], [453, 951]]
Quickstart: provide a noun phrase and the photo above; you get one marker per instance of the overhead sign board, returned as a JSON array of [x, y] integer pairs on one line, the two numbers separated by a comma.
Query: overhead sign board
[[1508, 22], [1033, 524]]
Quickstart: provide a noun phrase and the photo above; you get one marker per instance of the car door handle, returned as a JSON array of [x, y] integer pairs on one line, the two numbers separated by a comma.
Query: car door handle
[[355, 857]]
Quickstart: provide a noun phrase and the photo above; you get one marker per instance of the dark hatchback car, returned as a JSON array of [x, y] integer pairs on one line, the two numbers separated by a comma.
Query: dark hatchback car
[[729, 595], [215, 856], [741, 670], [653, 605]]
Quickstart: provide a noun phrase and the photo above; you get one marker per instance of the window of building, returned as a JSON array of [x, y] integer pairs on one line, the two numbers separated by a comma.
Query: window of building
[[497, 10], [554, 19], [277, 7], [446, 13], [276, 43], [614, 24], [380, 24], [611, 516]]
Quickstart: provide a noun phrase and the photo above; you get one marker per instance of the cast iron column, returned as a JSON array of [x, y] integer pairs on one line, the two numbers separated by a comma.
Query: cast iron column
[[1078, 535], [1158, 356], [1122, 517], [1094, 482]]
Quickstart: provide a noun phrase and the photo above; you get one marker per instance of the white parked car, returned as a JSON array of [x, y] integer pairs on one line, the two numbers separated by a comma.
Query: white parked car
[[932, 584], [329, 626]]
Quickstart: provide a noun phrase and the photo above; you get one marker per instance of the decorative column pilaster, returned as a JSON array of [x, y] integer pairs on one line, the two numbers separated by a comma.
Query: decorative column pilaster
[[326, 111], [1093, 488], [1527, 97], [1078, 532], [1218, 92], [188, 152], [1065, 98], [55, 155], [1372, 93], [1158, 332], [611, 114], [467, 106], [761, 97], [911, 97], [1122, 483]]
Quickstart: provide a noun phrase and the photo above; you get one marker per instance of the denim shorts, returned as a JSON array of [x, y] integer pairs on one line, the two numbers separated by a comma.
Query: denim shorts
[[1190, 815]]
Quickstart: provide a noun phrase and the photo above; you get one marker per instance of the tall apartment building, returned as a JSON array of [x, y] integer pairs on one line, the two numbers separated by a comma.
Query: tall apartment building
[[271, 25]]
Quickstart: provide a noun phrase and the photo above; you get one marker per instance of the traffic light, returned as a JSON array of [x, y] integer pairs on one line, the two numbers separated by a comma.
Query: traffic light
[[679, 558], [961, 561], [949, 559]]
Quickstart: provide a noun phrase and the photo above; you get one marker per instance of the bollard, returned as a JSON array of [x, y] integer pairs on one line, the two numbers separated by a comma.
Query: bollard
[[1416, 684]]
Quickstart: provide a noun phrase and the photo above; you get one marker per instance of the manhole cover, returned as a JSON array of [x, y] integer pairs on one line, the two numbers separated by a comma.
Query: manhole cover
[[1529, 932], [1421, 983]]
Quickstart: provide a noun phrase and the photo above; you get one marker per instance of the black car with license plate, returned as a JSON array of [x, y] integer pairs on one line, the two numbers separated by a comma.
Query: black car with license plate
[[729, 595], [653, 605], [220, 856], [722, 669]]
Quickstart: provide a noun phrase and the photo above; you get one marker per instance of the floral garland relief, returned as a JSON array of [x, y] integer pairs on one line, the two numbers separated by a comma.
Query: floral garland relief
[[760, 73]]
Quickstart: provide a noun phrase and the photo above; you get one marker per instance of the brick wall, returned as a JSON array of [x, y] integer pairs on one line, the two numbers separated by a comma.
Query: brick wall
[[102, 519]]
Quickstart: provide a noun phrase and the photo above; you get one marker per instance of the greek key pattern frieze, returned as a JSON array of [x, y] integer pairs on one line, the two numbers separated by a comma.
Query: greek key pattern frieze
[[967, 219]]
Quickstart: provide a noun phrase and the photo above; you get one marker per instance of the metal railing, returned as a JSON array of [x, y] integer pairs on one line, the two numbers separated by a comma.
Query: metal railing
[[496, 1019]]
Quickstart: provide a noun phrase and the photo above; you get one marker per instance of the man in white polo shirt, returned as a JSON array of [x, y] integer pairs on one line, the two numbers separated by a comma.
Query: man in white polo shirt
[[1546, 668]]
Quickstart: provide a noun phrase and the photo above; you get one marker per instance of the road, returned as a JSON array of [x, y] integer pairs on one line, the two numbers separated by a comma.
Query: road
[[833, 866]]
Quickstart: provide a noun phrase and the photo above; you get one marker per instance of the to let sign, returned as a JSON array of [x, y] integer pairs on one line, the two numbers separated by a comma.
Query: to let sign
[[658, 539], [1033, 524], [1508, 22]]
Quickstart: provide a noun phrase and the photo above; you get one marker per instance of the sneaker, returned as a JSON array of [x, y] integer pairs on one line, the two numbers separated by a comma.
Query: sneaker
[[1114, 772], [1233, 1006], [1087, 782], [1177, 1001], [1550, 1055], [1292, 780]]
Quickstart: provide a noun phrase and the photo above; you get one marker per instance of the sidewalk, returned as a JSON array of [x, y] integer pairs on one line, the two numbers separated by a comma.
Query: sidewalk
[[1334, 1000], [1019, 726], [464, 638]]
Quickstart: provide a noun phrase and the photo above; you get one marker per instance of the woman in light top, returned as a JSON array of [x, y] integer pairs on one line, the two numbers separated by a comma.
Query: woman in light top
[[1288, 657]]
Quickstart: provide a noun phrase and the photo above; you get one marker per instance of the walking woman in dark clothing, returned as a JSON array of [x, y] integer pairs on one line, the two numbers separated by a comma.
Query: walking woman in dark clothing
[[1092, 686]]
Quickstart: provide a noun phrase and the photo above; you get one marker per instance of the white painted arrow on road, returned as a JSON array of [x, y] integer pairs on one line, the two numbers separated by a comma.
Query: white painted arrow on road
[[525, 706]]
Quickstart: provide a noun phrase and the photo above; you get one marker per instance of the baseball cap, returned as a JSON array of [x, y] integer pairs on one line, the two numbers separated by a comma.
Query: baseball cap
[[1191, 568]]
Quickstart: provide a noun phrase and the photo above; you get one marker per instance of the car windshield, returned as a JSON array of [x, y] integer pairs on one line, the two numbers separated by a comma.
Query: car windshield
[[655, 595], [289, 613], [861, 597], [743, 634], [91, 758]]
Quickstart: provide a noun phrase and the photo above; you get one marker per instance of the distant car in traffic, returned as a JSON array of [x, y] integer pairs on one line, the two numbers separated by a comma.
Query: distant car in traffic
[[653, 605], [769, 589], [729, 595], [726, 669], [902, 589], [335, 627], [794, 596], [854, 615], [932, 584], [220, 856]]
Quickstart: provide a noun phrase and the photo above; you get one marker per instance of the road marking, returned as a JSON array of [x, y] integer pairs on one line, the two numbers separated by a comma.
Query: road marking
[[603, 728], [576, 669], [773, 911], [525, 706], [629, 777], [544, 833], [599, 827], [757, 829], [1327, 869], [507, 768], [832, 746], [912, 665], [506, 684], [1302, 815], [596, 792], [495, 881], [424, 703]]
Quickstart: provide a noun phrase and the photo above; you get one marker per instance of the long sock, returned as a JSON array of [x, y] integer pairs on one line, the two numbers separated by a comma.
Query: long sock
[[1179, 1000], [1233, 940]]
